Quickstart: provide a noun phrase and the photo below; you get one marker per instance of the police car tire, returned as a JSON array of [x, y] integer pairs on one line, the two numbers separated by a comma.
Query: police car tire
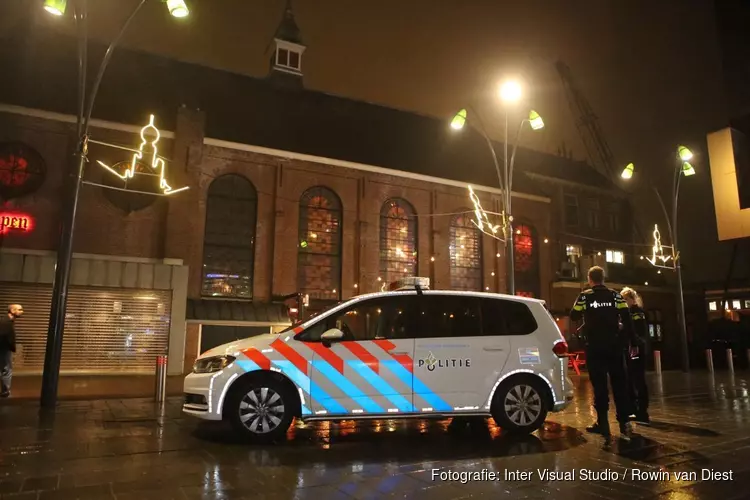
[[501, 417], [238, 393]]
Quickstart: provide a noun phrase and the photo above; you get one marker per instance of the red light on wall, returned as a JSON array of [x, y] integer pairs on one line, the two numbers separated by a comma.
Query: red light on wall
[[15, 222]]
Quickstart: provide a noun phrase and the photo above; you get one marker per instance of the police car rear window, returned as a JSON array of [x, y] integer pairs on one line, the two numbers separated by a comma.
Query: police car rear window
[[506, 317]]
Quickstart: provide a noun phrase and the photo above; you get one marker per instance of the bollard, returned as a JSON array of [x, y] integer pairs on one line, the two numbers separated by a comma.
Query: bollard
[[657, 362], [730, 361], [710, 360], [161, 378]]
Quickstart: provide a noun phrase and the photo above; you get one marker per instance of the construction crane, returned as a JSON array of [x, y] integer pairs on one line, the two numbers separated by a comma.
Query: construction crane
[[599, 153], [598, 150]]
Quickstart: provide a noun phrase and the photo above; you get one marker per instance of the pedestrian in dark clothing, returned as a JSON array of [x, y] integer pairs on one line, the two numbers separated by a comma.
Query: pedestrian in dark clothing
[[603, 310], [636, 361], [8, 347]]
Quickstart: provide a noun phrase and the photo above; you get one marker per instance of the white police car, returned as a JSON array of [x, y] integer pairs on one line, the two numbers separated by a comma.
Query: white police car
[[409, 352]]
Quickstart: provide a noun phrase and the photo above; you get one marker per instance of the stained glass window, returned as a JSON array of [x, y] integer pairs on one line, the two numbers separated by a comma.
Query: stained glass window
[[465, 254], [398, 240], [229, 241], [526, 259], [319, 256], [22, 170]]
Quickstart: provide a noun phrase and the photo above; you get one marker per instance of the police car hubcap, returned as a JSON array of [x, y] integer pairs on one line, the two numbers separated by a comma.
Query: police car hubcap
[[261, 410], [523, 404]]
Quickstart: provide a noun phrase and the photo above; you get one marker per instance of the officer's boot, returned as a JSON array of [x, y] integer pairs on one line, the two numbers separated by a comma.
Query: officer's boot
[[601, 426]]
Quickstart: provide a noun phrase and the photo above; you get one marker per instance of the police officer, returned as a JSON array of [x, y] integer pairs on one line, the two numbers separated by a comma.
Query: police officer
[[636, 361], [603, 310]]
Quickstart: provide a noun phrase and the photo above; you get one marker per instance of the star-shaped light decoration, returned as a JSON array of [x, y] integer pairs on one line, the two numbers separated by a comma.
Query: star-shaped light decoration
[[148, 153]]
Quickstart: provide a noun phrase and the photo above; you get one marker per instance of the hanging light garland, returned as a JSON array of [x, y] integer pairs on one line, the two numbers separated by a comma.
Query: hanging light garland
[[658, 258]]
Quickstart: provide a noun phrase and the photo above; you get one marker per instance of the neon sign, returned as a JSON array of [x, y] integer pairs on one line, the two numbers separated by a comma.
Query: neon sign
[[658, 258], [15, 222], [148, 150], [482, 219]]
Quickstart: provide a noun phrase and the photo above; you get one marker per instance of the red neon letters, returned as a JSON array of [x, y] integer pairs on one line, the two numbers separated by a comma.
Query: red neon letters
[[15, 222]]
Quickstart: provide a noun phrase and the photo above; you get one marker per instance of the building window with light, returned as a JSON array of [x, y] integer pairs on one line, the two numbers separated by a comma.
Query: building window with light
[[465, 254], [615, 257], [526, 260], [229, 238], [398, 240], [319, 255], [571, 210]]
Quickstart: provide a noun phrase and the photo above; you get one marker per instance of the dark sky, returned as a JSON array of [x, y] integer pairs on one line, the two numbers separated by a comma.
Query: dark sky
[[650, 70]]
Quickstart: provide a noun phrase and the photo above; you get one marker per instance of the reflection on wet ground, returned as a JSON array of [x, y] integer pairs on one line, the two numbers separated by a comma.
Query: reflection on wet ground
[[135, 449]]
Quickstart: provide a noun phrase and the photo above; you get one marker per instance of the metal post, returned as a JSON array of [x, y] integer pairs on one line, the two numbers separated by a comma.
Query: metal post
[[684, 351], [748, 358], [710, 360], [510, 252], [53, 353], [161, 378], [730, 360], [657, 362], [51, 374]]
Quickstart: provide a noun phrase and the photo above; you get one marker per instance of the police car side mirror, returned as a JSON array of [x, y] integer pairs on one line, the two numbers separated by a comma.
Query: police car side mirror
[[331, 336]]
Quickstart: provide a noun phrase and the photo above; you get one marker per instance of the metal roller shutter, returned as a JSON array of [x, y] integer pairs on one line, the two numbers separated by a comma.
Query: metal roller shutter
[[106, 330]]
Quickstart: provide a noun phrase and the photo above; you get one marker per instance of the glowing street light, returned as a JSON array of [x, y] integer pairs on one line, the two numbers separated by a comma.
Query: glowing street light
[[535, 120], [687, 169], [459, 120], [510, 91], [684, 153], [177, 8], [627, 173], [55, 7]]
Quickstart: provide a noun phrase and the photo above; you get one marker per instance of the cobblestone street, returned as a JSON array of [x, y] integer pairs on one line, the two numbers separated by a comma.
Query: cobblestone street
[[133, 449]]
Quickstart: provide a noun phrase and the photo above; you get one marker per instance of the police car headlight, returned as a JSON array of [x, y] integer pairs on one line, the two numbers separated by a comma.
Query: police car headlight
[[212, 364]]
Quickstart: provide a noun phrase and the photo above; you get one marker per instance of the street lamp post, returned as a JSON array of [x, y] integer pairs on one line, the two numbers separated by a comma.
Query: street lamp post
[[510, 92], [683, 167], [53, 353]]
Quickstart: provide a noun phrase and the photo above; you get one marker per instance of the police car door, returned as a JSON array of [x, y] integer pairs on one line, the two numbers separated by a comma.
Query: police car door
[[455, 364], [369, 371]]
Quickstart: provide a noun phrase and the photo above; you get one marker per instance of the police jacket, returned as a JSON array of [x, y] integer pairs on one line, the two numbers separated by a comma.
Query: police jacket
[[640, 326], [603, 310]]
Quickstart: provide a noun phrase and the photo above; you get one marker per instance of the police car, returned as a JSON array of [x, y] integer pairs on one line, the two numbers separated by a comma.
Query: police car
[[407, 352]]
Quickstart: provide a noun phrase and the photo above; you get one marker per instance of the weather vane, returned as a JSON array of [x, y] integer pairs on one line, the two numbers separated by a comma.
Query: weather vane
[[658, 259], [482, 219], [147, 152]]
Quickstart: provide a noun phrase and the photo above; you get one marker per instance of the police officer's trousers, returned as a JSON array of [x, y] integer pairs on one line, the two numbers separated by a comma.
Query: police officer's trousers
[[638, 390], [600, 363]]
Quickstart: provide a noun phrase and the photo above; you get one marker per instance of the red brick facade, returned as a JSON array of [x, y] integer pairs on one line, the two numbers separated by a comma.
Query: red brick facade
[[173, 227]]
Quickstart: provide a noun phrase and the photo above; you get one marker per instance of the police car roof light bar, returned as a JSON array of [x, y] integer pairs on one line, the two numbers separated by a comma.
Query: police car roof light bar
[[410, 283]]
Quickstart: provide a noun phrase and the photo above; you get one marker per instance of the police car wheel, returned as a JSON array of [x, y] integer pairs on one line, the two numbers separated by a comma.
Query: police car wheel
[[260, 410], [519, 405]]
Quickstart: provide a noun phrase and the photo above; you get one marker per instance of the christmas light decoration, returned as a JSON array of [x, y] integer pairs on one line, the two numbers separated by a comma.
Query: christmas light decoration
[[482, 219], [658, 258], [148, 151]]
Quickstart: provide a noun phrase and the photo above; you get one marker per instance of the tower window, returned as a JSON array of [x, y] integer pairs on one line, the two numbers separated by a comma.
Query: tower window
[[286, 58]]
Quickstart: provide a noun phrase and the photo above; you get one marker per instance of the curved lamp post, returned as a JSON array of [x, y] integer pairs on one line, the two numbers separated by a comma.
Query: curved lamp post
[[510, 92], [53, 353], [682, 168]]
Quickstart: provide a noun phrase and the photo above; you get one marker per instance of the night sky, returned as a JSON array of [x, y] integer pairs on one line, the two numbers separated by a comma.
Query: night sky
[[650, 70]]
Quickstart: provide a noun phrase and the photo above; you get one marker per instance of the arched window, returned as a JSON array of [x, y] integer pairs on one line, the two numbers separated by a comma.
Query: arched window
[[319, 257], [526, 253], [398, 240], [466, 254], [229, 241]]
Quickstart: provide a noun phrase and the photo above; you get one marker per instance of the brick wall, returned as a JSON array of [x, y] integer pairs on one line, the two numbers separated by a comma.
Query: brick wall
[[173, 227]]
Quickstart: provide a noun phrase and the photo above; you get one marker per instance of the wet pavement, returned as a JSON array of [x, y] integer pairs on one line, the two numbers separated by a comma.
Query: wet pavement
[[135, 449]]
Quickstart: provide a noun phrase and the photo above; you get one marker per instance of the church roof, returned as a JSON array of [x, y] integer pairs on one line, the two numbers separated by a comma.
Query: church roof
[[288, 29], [253, 111]]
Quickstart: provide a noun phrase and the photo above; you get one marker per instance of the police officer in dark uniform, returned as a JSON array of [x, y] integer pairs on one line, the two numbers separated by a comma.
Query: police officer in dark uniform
[[636, 361], [603, 311]]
